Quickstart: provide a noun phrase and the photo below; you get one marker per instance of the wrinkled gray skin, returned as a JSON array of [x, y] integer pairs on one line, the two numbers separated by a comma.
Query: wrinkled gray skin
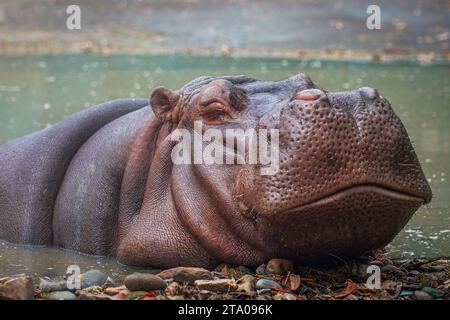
[[102, 180]]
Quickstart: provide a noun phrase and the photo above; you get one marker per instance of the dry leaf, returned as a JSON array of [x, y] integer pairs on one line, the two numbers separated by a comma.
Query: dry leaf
[[351, 286], [292, 281]]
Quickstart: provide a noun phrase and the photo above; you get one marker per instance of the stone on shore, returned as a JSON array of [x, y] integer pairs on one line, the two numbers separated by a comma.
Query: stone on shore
[[266, 284], [421, 295], [61, 295], [280, 266], [220, 285], [17, 289], [144, 282], [50, 286], [186, 274], [93, 278]]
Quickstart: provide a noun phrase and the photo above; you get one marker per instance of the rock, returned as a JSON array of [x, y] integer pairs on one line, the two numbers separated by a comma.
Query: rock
[[402, 262], [263, 291], [406, 293], [261, 269], [144, 282], [61, 295], [266, 284], [437, 268], [390, 268], [186, 274], [17, 289], [421, 295], [93, 278], [413, 272], [50, 286], [246, 284], [280, 266], [433, 292], [221, 285]]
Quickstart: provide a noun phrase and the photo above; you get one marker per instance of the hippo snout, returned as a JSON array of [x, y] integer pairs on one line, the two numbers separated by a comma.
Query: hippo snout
[[348, 173]]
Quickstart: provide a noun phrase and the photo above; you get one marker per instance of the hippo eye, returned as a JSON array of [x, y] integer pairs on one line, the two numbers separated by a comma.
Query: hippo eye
[[214, 113]]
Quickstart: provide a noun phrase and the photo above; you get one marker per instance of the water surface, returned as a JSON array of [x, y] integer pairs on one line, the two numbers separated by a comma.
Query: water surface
[[37, 91]]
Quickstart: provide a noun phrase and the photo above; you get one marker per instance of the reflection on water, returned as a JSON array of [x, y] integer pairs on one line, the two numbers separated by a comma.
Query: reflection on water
[[51, 262], [37, 91]]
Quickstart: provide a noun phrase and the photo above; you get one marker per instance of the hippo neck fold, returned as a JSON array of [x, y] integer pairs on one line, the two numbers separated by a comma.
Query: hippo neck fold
[[205, 205]]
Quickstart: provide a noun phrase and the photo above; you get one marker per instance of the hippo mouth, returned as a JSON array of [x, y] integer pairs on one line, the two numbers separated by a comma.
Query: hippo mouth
[[361, 188], [345, 223]]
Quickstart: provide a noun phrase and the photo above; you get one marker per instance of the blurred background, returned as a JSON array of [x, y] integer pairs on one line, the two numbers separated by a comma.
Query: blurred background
[[126, 48]]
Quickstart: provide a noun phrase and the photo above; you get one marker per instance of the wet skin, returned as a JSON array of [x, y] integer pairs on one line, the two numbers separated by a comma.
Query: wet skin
[[102, 181]]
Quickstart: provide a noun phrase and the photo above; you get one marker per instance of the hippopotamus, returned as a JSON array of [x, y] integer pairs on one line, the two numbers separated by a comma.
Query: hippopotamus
[[103, 181]]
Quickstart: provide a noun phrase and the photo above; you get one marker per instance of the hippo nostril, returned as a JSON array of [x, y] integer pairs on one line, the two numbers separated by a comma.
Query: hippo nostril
[[368, 93], [309, 95]]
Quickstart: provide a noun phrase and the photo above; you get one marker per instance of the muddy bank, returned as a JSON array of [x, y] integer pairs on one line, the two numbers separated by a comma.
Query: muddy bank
[[411, 29], [279, 279]]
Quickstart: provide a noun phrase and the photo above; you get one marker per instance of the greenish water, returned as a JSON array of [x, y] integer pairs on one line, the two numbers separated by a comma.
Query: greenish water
[[37, 91]]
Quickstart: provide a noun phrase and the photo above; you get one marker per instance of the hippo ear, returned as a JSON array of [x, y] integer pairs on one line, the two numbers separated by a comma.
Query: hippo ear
[[163, 101]]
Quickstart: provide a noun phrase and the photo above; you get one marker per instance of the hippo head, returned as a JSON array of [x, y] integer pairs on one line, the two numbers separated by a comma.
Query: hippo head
[[347, 181]]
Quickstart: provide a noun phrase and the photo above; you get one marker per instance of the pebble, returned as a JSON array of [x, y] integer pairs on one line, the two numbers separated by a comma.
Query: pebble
[[402, 262], [50, 286], [433, 292], [280, 266], [261, 270], [413, 272], [390, 268], [93, 278], [61, 295], [17, 289], [263, 291], [222, 285], [186, 274], [437, 268], [406, 293], [144, 282], [266, 284], [421, 295]]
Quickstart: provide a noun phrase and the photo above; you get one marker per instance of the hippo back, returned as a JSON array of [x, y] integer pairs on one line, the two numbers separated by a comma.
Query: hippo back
[[32, 169]]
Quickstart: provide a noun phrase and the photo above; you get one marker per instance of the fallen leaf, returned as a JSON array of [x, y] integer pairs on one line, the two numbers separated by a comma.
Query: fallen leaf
[[225, 270], [292, 281], [351, 286], [148, 295]]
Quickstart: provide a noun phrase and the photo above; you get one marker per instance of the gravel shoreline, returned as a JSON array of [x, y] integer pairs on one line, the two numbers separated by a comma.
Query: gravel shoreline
[[278, 279]]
